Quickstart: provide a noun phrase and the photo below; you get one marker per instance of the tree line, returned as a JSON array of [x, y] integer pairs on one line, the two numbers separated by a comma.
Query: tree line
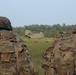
[[48, 30]]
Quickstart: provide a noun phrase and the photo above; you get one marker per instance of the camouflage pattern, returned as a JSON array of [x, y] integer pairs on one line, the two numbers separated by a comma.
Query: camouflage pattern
[[8, 62], [14, 55], [66, 49], [47, 62], [64, 52], [5, 23], [64, 59], [74, 40]]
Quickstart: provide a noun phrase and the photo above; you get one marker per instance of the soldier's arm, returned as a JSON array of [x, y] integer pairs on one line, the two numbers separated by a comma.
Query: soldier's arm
[[28, 63]]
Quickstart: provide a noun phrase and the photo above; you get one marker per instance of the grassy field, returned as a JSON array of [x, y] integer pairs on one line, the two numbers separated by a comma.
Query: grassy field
[[36, 49]]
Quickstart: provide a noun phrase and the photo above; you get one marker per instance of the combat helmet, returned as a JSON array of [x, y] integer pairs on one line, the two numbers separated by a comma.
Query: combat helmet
[[5, 23], [74, 29]]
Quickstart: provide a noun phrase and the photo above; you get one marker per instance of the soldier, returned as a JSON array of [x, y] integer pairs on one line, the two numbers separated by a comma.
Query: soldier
[[74, 41], [64, 55], [48, 57], [14, 56], [64, 59]]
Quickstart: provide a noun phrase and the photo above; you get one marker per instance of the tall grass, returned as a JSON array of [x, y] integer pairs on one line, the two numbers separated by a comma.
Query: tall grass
[[36, 49]]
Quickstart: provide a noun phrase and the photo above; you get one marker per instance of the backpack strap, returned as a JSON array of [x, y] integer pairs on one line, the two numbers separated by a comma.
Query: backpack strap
[[16, 53]]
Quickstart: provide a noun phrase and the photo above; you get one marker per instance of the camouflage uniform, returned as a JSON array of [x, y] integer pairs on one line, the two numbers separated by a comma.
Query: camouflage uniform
[[64, 55], [64, 51], [48, 57], [74, 41], [14, 56], [64, 60], [47, 62]]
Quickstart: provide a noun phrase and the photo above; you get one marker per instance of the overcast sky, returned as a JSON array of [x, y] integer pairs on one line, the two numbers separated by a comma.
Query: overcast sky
[[26, 12]]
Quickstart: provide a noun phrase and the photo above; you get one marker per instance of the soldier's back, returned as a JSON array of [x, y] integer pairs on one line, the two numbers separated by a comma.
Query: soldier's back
[[64, 56], [14, 56]]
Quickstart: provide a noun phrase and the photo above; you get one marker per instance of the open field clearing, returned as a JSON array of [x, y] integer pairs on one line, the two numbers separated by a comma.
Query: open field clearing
[[36, 49]]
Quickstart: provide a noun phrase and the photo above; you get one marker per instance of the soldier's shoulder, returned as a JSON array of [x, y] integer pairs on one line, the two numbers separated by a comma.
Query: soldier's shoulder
[[16, 36]]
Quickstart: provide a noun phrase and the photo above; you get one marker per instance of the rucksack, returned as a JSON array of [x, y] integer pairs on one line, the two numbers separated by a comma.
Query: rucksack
[[11, 54]]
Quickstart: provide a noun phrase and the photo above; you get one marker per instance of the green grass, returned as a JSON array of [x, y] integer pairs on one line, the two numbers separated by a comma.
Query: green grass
[[36, 49]]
